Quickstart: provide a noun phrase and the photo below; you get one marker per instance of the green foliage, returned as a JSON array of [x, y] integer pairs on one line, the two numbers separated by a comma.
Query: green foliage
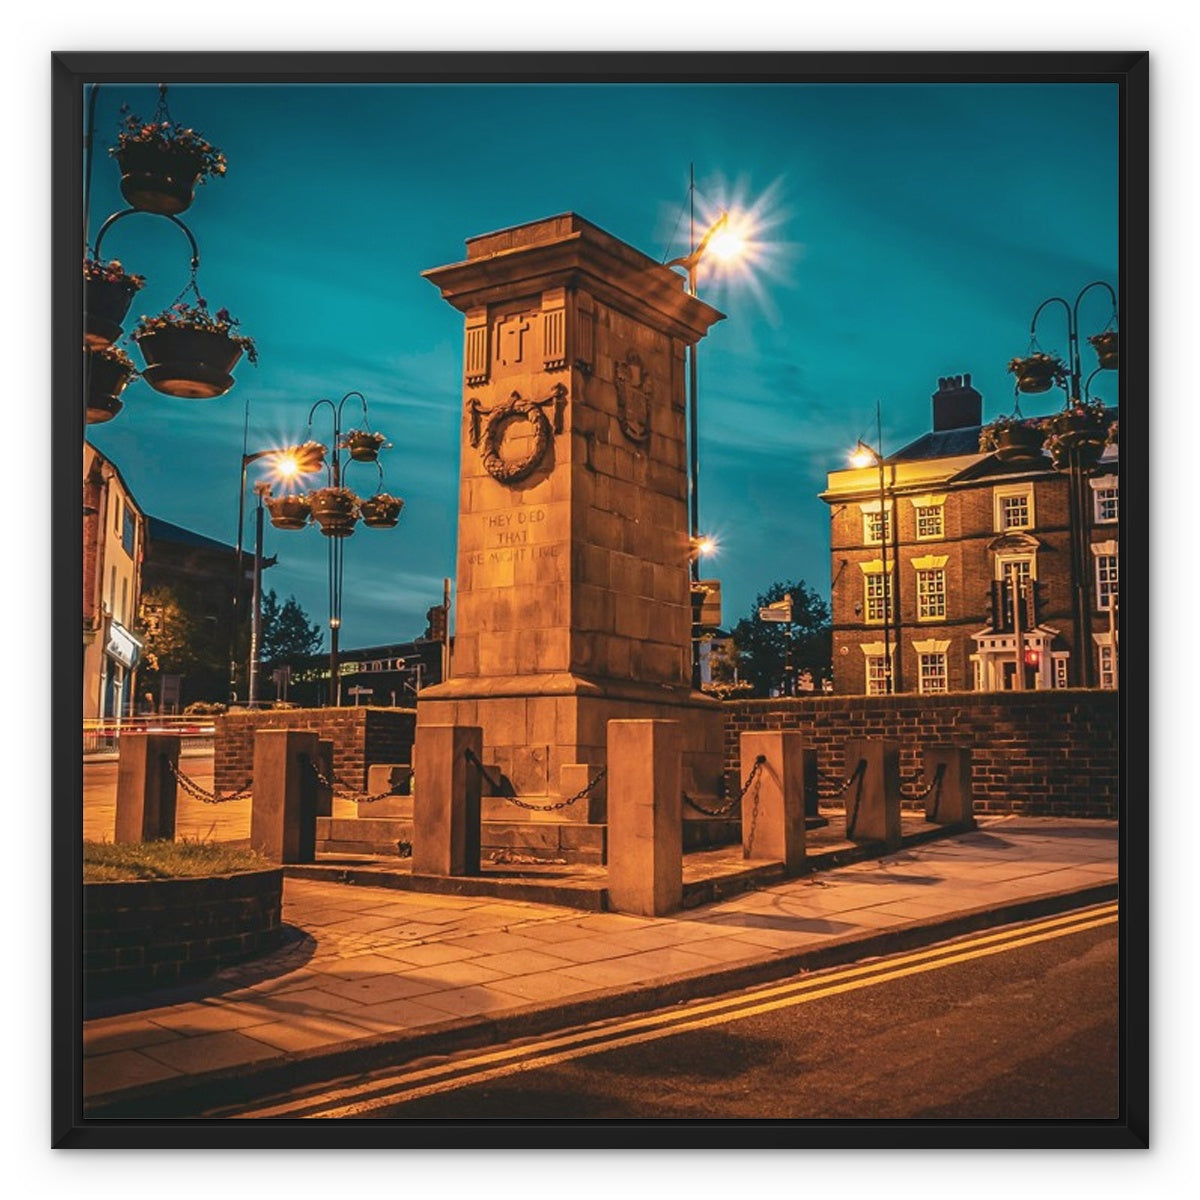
[[765, 650], [287, 633], [105, 862]]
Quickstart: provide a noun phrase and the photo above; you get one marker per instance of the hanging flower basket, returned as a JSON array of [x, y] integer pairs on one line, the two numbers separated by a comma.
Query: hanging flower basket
[[1080, 432], [381, 511], [1038, 372], [288, 512], [335, 510], [1107, 346], [1012, 439], [107, 371], [108, 291], [161, 163], [363, 445], [190, 354]]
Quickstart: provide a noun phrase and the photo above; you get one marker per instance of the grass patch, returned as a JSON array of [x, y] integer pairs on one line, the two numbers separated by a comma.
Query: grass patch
[[106, 862]]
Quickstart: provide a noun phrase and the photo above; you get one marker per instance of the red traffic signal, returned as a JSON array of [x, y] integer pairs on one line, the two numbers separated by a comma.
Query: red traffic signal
[[1032, 658]]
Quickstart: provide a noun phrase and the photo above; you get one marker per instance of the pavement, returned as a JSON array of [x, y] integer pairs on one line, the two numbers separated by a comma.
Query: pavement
[[376, 976]]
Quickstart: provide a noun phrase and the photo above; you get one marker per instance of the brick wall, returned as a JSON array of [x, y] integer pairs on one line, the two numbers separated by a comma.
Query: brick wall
[[361, 736], [1053, 753], [157, 933]]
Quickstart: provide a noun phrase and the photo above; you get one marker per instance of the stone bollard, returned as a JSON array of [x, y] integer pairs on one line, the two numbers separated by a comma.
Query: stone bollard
[[446, 800], [645, 817], [873, 800], [146, 787], [951, 802], [325, 766], [283, 812], [773, 808]]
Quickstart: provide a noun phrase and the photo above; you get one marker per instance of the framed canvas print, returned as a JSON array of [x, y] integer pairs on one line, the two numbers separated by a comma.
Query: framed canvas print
[[601, 599]]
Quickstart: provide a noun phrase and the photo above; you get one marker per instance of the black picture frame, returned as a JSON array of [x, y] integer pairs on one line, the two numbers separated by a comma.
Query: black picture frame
[[71, 72]]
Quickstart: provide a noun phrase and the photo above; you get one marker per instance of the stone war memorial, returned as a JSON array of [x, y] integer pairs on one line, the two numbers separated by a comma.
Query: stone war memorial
[[573, 593]]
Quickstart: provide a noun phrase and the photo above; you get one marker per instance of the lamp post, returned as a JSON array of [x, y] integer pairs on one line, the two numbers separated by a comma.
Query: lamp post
[[723, 243], [336, 509], [863, 456], [288, 462], [1075, 455]]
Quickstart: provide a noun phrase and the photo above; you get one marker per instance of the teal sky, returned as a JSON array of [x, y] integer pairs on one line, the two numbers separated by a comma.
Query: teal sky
[[906, 232]]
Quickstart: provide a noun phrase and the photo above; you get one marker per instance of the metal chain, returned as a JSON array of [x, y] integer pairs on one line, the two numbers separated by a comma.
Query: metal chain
[[860, 773], [749, 851], [347, 792], [471, 757], [728, 808], [194, 790], [937, 779], [842, 787]]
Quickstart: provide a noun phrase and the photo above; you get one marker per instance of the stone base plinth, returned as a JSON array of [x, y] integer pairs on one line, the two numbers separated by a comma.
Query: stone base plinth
[[547, 737]]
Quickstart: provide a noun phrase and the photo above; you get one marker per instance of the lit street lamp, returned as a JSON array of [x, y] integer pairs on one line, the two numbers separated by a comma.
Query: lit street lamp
[[1076, 451], [287, 462]]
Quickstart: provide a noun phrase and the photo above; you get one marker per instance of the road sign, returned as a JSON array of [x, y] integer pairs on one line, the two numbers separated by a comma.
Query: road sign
[[780, 611]]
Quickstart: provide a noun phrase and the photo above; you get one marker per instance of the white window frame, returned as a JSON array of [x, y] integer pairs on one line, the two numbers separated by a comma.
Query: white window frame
[[1013, 492], [875, 660], [870, 515], [875, 591], [1105, 589], [1101, 484], [933, 649], [926, 504], [931, 566]]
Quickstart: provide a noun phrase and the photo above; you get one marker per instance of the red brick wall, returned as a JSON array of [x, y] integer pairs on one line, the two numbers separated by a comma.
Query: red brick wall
[[361, 736], [1053, 753]]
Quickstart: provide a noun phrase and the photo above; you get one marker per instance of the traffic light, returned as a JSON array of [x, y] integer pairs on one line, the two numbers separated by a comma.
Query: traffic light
[[436, 617], [1032, 658]]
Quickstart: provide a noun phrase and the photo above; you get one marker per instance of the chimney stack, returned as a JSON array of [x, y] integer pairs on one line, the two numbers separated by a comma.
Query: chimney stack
[[956, 404]]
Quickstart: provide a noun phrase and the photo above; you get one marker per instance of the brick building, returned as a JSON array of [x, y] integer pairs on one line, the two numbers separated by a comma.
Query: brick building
[[958, 532], [113, 546]]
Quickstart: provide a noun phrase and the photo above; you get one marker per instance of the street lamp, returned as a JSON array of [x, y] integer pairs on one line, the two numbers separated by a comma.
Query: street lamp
[[1076, 452], [287, 462], [864, 456], [335, 509]]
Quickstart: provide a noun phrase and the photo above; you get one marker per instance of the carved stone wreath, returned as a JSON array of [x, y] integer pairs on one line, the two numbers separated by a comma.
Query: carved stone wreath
[[498, 420]]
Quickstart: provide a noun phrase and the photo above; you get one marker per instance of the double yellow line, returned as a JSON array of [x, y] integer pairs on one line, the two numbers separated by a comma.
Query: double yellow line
[[362, 1098]]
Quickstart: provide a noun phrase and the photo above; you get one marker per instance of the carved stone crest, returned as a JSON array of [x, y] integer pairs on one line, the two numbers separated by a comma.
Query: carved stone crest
[[635, 393]]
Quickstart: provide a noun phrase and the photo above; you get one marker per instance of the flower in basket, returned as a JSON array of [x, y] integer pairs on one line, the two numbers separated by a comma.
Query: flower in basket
[[114, 355], [1111, 440], [196, 316], [169, 137], [381, 509], [989, 435], [111, 272], [363, 445], [1047, 368], [333, 497]]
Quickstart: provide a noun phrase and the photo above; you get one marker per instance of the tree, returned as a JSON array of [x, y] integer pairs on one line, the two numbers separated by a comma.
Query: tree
[[286, 632], [774, 657], [180, 637]]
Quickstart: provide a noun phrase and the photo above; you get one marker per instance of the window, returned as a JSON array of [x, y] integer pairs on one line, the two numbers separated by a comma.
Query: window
[[875, 584], [1014, 507], [876, 675], [929, 522], [120, 614], [931, 595], [1060, 670], [1108, 667], [931, 586], [1106, 581], [116, 512], [932, 672], [1106, 505], [128, 532], [877, 526]]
